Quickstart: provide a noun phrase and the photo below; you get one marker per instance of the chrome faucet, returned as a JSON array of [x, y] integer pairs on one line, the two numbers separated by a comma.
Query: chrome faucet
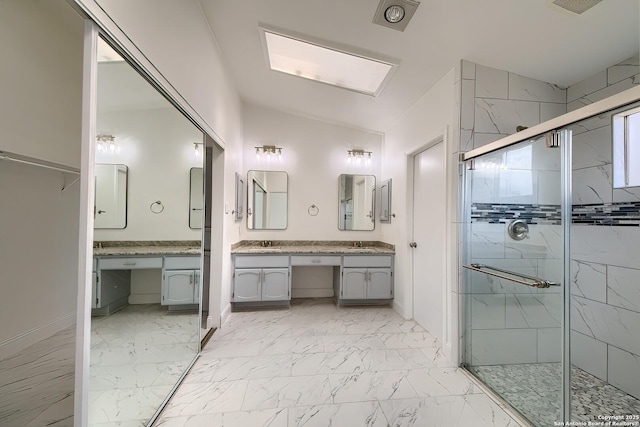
[[266, 243], [357, 244]]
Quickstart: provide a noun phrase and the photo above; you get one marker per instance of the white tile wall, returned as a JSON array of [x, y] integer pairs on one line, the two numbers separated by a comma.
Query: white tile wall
[[533, 311], [487, 240], [589, 280], [623, 287], [550, 111], [589, 354], [488, 311], [592, 148], [549, 345], [623, 70], [630, 194], [544, 241], [504, 346], [606, 245], [592, 185], [503, 116], [587, 86], [491, 83], [527, 89], [624, 371]]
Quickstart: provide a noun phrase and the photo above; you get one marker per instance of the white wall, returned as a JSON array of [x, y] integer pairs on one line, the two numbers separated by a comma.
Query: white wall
[[314, 156], [424, 122], [40, 108], [157, 147], [41, 75]]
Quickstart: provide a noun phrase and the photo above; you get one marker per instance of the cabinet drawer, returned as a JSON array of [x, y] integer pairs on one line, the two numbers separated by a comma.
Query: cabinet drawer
[[132, 263], [315, 260], [181, 262], [253, 261], [367, 261]]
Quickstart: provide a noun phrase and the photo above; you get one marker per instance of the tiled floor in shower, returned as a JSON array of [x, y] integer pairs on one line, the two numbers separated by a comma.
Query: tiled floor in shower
[[535, 389]]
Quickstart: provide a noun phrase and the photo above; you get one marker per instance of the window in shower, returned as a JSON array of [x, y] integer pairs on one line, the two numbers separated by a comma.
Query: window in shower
[[626, 149]]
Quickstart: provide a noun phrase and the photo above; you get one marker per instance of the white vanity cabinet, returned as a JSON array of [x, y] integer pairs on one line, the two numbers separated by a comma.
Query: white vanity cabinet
[[366, 277], [180, 280], [261, 278]]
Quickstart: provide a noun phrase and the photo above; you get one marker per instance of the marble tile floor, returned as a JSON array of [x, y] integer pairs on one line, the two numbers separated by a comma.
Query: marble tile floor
[[319, 365], [36, 384], [535, 390], [137, 356]]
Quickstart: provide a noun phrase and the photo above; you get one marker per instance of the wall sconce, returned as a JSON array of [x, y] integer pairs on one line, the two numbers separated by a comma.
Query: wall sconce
[[106, 143], [358, 156], [268, 151], [197, 150]]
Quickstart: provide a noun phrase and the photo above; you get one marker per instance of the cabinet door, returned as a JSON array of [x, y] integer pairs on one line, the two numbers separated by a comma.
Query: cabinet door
[[275, 284], [246, 285], [379, 283], [177, 287], [353, 283]]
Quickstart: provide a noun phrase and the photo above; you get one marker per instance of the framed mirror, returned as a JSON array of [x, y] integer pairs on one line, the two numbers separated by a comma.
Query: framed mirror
[[110, 197], [196, 191], [385, 201], [356, 201], [267, 200], [239, 211]]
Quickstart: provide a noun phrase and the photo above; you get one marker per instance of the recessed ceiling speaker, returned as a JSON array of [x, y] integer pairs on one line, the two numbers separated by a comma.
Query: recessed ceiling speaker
[[576, 6]]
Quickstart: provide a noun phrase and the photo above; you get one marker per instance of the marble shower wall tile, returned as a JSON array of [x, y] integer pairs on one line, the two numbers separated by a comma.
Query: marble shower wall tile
[[629, 194], [624, 371], [491, 83], [544, 241], [606, 323], [504, 346], [592, 148], [527, 89], [592, 185], [533, 311], [488, 311], [549, 110], [606, 92], [623, 70], [623, 287], [503, 116], [589, 280], [549, 345], [589, 354], [487, 240], [587, 86], [606, 245]]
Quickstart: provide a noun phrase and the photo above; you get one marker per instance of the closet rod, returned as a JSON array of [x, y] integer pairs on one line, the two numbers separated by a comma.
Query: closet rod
[[37, 162]]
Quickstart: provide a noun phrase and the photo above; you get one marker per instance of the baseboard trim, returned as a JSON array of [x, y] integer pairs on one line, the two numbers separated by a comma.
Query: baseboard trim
[[19, 342], [399, 309], [224, 316]]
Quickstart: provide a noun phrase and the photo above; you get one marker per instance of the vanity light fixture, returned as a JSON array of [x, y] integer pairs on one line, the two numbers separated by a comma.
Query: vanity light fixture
[[268, 151], [106, 143], [197, 150], [358, 156]]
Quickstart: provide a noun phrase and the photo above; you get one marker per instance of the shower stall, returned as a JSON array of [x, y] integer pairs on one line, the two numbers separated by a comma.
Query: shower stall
[[550, 289]]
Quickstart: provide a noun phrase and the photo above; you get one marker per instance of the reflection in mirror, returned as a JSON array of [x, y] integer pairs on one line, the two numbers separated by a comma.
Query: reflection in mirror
[[196, 192], [110, 199], [357, 199], [267, 200], [146, 280], [385, 201], [239, 211]]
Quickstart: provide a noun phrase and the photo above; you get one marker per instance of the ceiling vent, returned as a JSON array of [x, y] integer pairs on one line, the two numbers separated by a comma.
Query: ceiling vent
[[576, 6], [395, 14]]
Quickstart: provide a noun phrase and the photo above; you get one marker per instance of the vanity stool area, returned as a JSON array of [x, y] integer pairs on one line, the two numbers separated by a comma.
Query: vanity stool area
[[178, 262], [362, 272]]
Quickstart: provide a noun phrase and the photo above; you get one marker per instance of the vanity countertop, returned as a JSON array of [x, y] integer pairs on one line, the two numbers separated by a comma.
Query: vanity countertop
[[141, 248], [311, 247]]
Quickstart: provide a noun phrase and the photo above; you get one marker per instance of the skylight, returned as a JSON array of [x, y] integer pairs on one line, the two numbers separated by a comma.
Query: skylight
[[331, 66]]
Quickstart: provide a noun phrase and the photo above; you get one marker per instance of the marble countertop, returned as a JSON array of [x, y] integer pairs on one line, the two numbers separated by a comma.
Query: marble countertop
[[303, 247], [141, 248]]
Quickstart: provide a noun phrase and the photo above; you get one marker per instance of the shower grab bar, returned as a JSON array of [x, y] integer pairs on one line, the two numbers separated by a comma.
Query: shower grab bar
[[537, 282]]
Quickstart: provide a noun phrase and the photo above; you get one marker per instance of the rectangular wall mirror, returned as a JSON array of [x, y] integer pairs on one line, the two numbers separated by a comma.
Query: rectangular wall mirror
[[356, 201], [110, 199], [385, 201], [239, 211], [267, 200], [196, 192]]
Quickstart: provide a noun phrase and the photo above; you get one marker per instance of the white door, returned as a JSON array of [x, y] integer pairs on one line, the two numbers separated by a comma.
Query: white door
[[429, 225]]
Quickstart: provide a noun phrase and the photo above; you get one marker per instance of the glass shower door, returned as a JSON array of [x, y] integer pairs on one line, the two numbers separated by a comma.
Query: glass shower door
[[514, 262]]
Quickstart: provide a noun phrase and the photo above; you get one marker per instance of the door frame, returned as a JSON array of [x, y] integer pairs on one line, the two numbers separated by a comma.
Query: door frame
[[449, 312]]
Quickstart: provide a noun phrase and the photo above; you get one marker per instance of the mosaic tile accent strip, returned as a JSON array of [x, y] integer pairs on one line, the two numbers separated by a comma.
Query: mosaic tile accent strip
[[619, 214], [502, 213], [611, 214], [534, 390]]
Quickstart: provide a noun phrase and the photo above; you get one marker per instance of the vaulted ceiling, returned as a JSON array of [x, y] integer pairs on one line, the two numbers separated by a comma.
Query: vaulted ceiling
[[528, 37]]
